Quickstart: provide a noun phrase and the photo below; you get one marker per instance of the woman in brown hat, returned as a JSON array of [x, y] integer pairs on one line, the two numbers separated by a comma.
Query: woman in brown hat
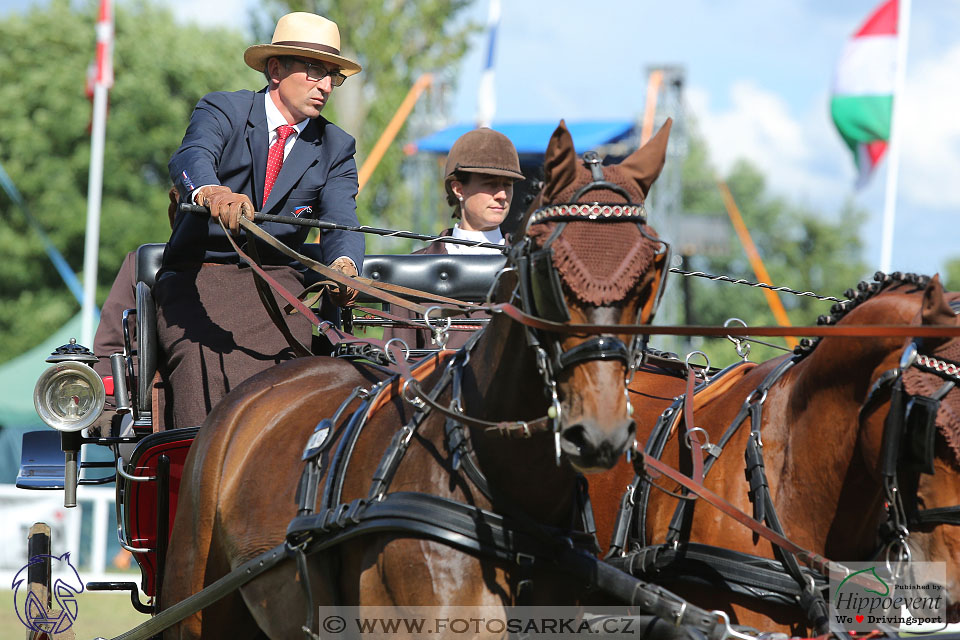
[[479, 174]]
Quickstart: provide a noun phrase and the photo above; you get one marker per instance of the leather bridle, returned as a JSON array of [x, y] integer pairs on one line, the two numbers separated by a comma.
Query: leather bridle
[[541, 295], [908, 447]]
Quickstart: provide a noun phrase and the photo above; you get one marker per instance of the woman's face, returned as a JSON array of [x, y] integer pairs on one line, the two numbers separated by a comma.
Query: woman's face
[[486, 200]]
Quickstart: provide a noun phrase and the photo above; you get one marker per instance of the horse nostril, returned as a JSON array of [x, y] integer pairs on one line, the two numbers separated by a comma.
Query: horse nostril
[[575, 435]]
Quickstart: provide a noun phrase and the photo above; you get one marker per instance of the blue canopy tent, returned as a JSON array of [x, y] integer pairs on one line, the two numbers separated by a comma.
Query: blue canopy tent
[[531, 138]]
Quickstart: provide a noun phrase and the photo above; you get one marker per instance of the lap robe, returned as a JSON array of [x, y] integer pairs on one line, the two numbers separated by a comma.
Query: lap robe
[[214, 333]]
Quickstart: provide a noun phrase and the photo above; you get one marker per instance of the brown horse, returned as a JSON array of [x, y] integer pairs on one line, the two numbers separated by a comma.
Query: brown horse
[[828, 473], [456, 438]]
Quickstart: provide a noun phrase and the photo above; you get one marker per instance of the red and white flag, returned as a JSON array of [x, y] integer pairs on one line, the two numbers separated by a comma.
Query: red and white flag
[[101, 70]]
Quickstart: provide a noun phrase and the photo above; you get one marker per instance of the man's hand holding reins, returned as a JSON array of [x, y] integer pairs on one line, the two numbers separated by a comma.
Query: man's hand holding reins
[[226, 205], [343, 295]]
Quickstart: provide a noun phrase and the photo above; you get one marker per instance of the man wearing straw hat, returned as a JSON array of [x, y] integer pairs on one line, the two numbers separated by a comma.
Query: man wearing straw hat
[[269, 151]]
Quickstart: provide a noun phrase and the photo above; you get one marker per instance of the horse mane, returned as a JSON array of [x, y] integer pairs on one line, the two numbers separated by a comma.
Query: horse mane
[[865, 291]]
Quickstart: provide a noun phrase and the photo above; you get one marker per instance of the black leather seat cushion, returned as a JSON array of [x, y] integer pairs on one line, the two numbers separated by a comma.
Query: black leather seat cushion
[[464, 277]]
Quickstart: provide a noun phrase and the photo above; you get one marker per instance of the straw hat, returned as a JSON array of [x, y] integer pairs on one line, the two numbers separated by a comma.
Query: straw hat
[[306, 35]]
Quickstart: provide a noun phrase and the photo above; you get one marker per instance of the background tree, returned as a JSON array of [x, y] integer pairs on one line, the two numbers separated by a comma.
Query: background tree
[[396, 41], [800, 248], [162, 68], [951, 274]]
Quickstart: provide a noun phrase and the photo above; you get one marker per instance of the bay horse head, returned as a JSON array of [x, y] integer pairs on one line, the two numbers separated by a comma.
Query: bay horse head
[[585, 255], [920, 449]]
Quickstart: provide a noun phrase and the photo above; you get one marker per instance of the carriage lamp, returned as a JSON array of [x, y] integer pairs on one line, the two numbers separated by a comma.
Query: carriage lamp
[[69, 396]]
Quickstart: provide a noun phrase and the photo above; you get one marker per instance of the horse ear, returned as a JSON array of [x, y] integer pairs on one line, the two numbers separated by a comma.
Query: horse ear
[[646, 163], [559, 164], [935, 309]]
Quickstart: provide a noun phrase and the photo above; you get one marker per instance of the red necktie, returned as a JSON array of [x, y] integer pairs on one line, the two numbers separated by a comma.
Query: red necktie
[[275, 159]]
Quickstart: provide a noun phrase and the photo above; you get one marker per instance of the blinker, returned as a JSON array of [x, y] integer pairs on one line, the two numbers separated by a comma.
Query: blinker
[[545, 287], [920, 430]]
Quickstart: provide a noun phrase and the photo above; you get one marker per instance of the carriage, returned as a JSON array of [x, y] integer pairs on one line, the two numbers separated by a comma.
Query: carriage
[[565, 333]]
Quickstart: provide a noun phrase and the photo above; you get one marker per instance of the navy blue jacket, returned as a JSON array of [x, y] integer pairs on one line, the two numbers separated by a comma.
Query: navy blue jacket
[[226, 144]]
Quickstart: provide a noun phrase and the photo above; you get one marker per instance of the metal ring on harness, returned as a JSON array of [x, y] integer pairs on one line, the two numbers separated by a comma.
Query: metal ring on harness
[[706, 367], [416, 400], [741, 344], [706, 437], [402, 344]]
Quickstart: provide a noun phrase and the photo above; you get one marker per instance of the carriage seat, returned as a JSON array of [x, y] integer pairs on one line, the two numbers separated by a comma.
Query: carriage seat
[[465, 277], [149, 258]]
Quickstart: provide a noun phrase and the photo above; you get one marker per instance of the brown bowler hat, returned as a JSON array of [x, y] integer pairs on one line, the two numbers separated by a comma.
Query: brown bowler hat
[[482, 150], [306, 35]]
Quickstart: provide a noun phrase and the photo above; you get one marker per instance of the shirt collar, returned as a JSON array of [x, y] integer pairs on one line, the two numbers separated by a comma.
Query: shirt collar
[[492, 237], [276, 119]]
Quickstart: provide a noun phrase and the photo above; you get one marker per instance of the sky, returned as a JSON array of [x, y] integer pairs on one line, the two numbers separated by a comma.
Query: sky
[[758, 76]]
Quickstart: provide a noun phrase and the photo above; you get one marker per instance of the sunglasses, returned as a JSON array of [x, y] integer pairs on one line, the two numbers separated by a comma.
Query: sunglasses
[[317, 72]]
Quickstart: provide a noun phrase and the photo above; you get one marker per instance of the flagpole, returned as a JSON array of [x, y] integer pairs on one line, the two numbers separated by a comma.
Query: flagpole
[[102, 81], [893, 152], [487, 93]]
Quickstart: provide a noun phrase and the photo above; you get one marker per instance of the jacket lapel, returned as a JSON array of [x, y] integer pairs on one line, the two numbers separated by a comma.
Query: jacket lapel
[[257, 137], [302, 155]]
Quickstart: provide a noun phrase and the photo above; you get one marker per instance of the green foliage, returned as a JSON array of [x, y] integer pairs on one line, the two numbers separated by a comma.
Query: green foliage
[[162, 68], [951, 275], [396, 41], [800, 248]]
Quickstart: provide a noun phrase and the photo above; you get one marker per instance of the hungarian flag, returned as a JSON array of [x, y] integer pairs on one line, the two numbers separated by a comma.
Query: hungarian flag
[[862, 101]]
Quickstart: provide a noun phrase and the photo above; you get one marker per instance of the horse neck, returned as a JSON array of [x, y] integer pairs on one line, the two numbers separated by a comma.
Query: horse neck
[[834, 449], [501, 383]]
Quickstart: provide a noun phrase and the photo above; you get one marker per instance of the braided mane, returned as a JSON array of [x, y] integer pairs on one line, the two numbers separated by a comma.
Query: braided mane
[[865, 291]]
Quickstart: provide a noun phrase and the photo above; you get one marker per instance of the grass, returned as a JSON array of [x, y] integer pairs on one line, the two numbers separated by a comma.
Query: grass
[[98, 614]]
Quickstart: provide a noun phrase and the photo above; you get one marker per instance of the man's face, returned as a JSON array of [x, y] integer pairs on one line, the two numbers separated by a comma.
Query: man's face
[[295, 94], [486, 200]]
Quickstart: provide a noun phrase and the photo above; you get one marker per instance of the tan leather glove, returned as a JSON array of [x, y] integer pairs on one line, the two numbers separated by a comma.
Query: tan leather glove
[[226, 204], [344, 296]]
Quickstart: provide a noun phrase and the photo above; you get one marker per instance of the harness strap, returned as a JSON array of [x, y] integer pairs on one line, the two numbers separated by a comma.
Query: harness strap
[[475, 530], [269, 303], [364, 285], [521, 429], [812, 560], [693, 442], [938, 515], [757, 397], [702, 564]]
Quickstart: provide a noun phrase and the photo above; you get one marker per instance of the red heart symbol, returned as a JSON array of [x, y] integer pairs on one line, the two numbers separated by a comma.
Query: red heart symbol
[[859, 618]]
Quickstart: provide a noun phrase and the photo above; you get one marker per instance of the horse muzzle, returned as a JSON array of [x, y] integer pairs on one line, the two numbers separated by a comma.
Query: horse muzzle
[[591, 448]]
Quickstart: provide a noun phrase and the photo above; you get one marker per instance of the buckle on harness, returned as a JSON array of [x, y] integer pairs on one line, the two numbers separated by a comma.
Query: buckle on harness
[[524, 559]]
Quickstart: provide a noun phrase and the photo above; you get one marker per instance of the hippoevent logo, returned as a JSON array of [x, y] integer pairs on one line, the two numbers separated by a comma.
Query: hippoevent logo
[[30, 606], [872, 598]]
